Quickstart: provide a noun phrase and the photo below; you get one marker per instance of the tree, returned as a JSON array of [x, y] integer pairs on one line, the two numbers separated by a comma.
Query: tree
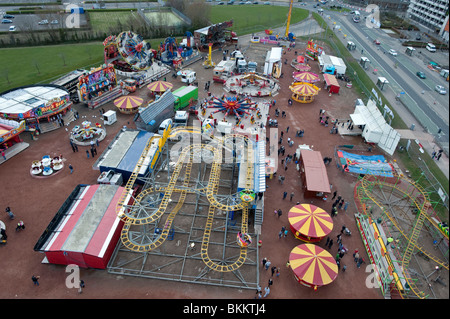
[[199, 12]]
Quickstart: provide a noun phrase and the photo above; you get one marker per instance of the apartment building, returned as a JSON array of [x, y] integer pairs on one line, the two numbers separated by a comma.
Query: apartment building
[[432, 14]]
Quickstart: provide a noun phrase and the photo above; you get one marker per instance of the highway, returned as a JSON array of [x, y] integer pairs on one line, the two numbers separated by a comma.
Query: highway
[[430, 108]]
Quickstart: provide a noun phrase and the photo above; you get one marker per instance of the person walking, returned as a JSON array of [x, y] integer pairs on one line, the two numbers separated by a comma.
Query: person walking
[[268, 263], [334, 195], [292, 196], [266, 292], [9, 212], [87, 153], [356, 256], [280, 234], [35, 280], [277, 272], [71, 168], [273, 270], [279, 213], [285, 233], [330, 244], [328, 241], [264, 260], [270, 283], [345, 206], [284, 195]]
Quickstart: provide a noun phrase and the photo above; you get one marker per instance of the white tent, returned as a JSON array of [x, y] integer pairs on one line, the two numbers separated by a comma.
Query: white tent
[[273, 57], [375, 129]]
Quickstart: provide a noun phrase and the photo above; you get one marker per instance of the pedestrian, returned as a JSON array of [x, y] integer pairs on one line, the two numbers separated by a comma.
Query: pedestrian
[[284, 195], [3, 236], [338, 238], [9, 212], [4, 156], [76, 147], [343, 229], [268, 263], [338, 264], [433, 155], [35, 280], [341, 253], [73, 146], [20, 225], [328, 241], [324, 198], [275, 212], [282, 179], [273, 270], [264, 260], [345, 206], [277, 272], [285, 233], [344, 268], [356, 256], [279, 213], [266, 292], [87, 153], [438, 156], [258, 295], [360, 261], [340, 204], [292, 195], [334, 195], [92, 152], [280, 234], [287, 129], [71, 168], [330, 244], [270, 282]]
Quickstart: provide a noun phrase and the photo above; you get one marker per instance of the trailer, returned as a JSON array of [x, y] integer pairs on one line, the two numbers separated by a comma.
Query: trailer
[[223, 70], [329, 63], [184, 95], [188, 76]]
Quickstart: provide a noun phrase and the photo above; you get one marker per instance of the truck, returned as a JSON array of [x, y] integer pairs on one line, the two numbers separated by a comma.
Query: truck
[[184, 95], [181, 118], [223, 70], [188, 76]]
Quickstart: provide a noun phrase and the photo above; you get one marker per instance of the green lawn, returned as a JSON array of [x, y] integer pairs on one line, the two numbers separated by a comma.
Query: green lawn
[[31, 65], [102, 21], [254, 18]]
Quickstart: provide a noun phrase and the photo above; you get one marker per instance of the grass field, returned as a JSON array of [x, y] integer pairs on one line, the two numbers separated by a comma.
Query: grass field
[[31, 65], [248, 19], [102, 21]]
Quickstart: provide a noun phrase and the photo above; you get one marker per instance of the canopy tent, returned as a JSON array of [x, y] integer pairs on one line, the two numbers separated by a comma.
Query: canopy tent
[[159, 86], [375, 129], [304, 92], [307, 77], [331, 84], [128, 104], [309, 223], [314, 174], [312, 265]]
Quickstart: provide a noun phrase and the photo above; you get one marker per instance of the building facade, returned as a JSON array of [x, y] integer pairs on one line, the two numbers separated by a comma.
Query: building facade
[[432, 14]]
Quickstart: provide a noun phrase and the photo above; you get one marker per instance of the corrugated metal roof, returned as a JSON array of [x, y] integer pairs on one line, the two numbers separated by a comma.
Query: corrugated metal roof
[[153, 109]]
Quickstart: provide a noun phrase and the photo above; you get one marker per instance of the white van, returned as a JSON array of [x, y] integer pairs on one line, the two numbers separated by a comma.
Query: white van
[[164, 124], [431, 47]]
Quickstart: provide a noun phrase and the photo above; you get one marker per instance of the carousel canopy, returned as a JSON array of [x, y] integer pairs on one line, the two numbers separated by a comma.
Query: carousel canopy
[[307, 77], [310, 220], [313, 264], [128, 102], [300, 59], [160, 86], [302, 88]]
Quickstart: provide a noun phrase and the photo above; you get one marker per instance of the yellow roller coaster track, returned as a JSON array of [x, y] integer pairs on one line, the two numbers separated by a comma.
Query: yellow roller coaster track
[[422, 207], [130, 217]]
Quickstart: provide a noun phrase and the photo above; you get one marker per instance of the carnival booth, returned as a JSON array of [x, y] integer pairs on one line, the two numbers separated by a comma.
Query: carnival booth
[[9, 136], [306, 77], [313, 266], [304, 92], [330, 83], [313, 174], [36, 105], [309, 223]]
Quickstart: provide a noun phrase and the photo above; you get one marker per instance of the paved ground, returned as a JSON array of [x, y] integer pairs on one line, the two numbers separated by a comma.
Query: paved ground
[[35, 201]]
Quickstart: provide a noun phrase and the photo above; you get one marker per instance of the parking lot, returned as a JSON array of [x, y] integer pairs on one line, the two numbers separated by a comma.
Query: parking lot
[[28, 22]]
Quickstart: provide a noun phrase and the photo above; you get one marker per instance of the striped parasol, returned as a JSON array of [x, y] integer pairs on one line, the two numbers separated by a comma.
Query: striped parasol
[[128, 102], [313, 265], [307, 77], [159, 86], [302, 67], [302, 88], [310, 221]]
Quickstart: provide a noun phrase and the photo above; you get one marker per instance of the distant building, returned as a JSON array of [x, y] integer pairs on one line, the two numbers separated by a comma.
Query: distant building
[[432, 14], [398, 6]]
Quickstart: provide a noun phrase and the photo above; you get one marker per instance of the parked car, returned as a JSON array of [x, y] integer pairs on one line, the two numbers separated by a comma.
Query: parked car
[[440, 89], [421, 75], [42, 22], [54, 22], [267, 3], [6, 21], [377, 42], [12, 28], [393, 52], [8, 16]]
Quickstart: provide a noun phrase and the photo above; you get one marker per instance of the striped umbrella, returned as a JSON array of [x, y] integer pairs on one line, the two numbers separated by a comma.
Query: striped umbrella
[[313, 265], [310, 221], [159, 86], [307, 77], [302, 88], [128, 102]]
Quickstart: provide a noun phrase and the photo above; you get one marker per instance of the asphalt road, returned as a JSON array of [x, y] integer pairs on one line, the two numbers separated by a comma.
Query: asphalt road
[[403, 76]]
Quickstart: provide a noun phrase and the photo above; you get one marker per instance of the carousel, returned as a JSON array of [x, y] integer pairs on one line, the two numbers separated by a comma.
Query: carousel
[[128, 104], [306, 77], [46, 166], [304, 92], [84, 134], [313, 266], [309, 223], [252, 84], [157, 88]]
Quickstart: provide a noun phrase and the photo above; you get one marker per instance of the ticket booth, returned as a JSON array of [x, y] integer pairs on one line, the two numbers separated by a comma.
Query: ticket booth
[[109, 117]]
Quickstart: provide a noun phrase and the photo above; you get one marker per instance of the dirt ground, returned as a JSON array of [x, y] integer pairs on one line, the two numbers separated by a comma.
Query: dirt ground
[[35, 201]]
